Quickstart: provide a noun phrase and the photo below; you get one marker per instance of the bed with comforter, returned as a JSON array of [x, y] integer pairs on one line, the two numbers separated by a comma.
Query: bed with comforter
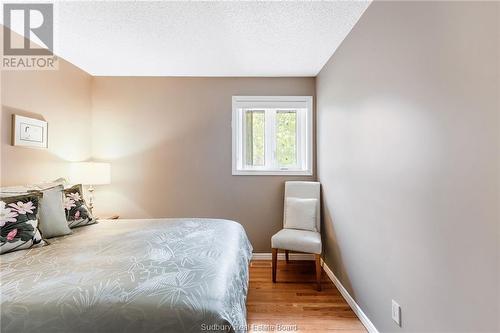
[[155, 275]]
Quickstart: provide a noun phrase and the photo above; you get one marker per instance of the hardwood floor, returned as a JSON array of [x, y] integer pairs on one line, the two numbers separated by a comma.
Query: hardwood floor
[[294, 302]]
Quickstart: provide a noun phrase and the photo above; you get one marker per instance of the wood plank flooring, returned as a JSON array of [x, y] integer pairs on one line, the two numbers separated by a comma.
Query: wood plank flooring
[[294, 303]]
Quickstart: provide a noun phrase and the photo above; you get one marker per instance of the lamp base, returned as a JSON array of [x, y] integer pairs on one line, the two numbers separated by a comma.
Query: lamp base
[[91, 198]]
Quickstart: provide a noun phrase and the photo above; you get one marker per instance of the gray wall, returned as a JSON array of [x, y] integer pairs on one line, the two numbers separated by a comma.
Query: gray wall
[[60, 97], [408, 145], [170, 150]]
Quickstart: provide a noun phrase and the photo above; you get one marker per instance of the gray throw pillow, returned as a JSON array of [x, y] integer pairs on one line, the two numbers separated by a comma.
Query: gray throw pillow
[[300, 213], [52, 217]]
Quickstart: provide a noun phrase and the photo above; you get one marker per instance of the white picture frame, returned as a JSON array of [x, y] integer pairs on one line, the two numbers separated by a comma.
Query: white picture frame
[[29, 132]]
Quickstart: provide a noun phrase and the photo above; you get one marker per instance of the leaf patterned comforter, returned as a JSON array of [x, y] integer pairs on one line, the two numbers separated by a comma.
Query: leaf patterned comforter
[[158, 275]]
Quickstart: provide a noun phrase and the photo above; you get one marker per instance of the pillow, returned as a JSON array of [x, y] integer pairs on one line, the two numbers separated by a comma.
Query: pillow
[[13, 190], [52, 215], [58, 181], [19, 222], [300, 213], [77, 212]]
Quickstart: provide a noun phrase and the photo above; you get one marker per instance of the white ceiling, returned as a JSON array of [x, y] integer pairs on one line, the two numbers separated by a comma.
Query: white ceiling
[[181, 38]]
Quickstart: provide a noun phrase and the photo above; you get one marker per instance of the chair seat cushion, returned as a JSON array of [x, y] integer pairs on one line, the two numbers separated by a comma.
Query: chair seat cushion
[[297, 240]]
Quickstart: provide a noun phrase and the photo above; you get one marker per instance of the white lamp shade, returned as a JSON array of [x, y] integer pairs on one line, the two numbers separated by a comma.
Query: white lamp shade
[[90, 173]]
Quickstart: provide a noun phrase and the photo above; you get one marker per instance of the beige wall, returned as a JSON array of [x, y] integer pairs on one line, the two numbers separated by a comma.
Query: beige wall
[[169, 142], [408, 149], [168, 139], [62, 98]]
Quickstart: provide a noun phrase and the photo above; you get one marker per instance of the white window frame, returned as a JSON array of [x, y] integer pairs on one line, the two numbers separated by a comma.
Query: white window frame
[[304, 147]]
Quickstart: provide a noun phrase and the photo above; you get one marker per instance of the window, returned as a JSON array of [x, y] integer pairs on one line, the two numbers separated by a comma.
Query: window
[[272, 135]]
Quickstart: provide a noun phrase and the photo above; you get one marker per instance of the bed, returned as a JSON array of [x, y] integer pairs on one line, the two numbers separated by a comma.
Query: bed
[[155, 275]]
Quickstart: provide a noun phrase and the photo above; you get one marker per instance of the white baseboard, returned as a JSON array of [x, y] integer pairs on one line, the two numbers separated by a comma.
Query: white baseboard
[[281, 256], [352, 303]]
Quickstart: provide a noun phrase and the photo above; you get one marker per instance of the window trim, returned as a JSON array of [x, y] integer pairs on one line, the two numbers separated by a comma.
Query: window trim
[[285, 102]]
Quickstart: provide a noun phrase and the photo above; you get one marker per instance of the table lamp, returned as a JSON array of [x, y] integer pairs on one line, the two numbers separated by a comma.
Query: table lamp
[[90, 173]]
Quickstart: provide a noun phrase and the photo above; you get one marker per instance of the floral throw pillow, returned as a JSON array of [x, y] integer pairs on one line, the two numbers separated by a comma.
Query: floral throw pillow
[[19, 222], [77, 212]]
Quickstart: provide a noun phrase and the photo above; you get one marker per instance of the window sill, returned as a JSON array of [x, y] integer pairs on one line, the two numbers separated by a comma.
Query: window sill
[[272, 173]]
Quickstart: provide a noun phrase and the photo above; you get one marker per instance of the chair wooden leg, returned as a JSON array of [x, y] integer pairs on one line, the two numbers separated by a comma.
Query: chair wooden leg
[[318, 271], [275, 262], [286, 256]]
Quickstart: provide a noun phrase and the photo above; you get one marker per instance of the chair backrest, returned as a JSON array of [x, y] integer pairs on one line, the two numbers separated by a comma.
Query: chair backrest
[[305, 190]]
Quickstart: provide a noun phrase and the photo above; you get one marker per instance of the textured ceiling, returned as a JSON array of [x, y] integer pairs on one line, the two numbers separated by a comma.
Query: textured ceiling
[[202, 38]]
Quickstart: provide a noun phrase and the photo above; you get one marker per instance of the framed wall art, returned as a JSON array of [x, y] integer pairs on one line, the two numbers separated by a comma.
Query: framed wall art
[[29, 132]]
